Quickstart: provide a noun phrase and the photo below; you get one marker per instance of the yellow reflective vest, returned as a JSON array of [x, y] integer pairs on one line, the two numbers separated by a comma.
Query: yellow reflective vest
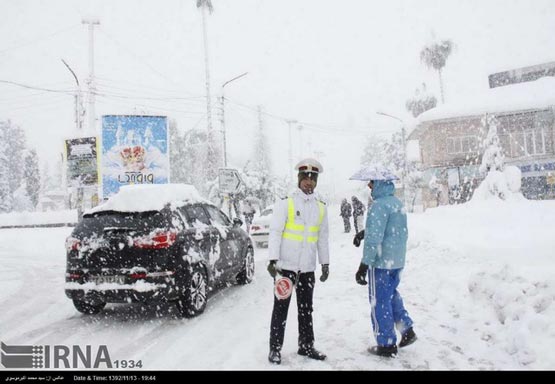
[[299, 233]]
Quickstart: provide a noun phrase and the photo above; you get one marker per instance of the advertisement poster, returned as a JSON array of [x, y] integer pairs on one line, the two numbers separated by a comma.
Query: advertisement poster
[[134, 151], [82, 162]]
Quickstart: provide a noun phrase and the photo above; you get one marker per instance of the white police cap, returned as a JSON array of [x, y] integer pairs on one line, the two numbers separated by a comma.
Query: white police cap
[[309, 165]]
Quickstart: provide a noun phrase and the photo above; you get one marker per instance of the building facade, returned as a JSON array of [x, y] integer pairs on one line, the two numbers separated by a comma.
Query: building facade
[[451, 140]]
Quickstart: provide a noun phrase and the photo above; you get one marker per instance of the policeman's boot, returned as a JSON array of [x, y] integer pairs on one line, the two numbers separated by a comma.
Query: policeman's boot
[[311, 353], [274, 357]]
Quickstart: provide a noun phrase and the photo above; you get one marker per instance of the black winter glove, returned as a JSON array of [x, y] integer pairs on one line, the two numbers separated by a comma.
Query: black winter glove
[[358, 238], [325, 272], [272, 269], [360, 276]]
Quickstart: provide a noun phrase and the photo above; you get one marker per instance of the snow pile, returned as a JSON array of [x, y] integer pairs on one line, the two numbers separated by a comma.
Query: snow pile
[[149, 197], [504, 185], [522, 309], [37, 218], [528, 95], [497, 261]]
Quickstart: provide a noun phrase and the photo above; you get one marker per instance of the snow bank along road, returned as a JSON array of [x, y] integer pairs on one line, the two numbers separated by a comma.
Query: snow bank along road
[[480, 290]]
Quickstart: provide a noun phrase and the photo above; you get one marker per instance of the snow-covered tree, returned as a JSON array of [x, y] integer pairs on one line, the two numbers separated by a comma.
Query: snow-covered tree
[[414, 183], [421, 101], [191, 163], [178, 155], [5, 195], [435, 56], [258, 170], [14, 139], [32, 177], [493, 158], [21, 201], [387, 152], [500, 182]]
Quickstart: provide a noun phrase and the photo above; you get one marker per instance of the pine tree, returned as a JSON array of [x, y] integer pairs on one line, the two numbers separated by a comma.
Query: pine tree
[[193, 161], [493, 158], [14, 138], [387, 152], [32, 177], [178, 166], [5, 195], [259, 168], [496, 183]]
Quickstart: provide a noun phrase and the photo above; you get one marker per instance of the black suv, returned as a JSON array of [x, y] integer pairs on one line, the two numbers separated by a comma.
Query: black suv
[[179, 253]]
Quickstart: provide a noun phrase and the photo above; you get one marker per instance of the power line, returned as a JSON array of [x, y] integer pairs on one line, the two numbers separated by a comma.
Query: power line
[[153, 107], [327, 129], [41, 38], [122, 46], [69, 92], [135, 87]]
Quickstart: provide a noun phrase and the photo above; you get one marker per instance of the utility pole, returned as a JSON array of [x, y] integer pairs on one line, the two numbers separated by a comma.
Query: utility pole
[[90, 80], [207, 70]]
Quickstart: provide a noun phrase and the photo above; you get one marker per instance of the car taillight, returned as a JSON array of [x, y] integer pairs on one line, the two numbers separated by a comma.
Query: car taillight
[[140, 275], [156, 240], [72, 244], [255, 227], [73, 275]]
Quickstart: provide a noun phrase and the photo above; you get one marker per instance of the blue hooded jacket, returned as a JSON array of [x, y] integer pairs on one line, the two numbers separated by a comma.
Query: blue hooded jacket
[[386, 232]]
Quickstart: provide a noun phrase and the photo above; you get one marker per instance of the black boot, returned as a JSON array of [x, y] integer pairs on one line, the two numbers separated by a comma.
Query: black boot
[[408, 338], [384, 351], [311, 353], [274, 357]]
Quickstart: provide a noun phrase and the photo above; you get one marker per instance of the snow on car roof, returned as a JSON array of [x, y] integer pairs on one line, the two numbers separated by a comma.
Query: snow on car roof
[[149, 197]]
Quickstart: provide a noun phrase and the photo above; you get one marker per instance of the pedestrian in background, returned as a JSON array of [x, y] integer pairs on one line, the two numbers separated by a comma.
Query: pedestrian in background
[[358, 213], [346, 213]]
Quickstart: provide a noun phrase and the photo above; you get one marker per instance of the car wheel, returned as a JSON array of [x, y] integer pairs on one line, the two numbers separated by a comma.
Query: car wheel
[[247, 273], [88, 308], [194, 298]]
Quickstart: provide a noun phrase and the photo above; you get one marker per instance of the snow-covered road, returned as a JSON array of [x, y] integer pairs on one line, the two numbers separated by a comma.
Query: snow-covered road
[[478, 283]]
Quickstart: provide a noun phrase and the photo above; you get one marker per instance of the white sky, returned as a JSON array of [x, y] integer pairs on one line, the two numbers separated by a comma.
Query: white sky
[[328, 63]]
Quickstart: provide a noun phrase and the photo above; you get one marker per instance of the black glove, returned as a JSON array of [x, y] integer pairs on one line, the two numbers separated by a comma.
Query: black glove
[[360, 276], [358, 238], [325, 272], [272, 268]]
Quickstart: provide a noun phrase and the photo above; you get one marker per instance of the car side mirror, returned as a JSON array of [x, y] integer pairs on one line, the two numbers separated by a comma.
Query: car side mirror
[[237, 222]]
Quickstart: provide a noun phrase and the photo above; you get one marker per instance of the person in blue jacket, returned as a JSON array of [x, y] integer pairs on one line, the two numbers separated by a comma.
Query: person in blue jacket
[[385, 245]]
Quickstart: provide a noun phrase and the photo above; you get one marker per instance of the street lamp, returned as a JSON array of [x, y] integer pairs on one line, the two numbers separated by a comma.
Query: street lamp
[[405, 172], [78, 113], [223, 114]]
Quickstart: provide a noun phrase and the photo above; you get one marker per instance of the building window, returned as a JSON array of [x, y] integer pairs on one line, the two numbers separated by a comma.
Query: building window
[[462, 144], [527, 143]]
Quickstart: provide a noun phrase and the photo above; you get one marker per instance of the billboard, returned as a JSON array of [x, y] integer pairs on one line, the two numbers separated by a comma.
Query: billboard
[[134, 151], [82, 163]]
